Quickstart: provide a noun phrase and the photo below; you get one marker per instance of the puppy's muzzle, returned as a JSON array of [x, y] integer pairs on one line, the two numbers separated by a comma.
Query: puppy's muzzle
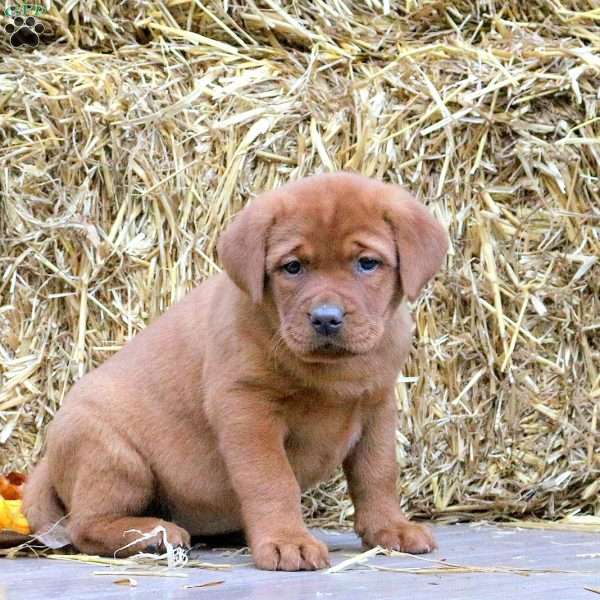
[[327, 319]]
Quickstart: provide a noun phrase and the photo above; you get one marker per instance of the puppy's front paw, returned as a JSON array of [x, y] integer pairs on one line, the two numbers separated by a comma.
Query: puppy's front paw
[[301, 552], [403, 536]]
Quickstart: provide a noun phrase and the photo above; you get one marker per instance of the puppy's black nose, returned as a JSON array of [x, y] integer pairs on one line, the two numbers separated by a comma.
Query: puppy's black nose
[[327, 319]]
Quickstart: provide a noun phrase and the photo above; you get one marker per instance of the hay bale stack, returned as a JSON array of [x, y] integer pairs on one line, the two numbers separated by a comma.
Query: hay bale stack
[[129, 141]]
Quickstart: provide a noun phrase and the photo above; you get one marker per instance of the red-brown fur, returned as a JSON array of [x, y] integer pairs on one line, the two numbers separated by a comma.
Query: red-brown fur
[[227, 406]]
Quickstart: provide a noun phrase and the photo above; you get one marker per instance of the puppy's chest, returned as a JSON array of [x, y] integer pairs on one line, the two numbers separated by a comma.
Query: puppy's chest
[[319, 439]]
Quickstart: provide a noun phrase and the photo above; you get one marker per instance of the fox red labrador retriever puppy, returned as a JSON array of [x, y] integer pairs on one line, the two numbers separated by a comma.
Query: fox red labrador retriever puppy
[[256, 386]]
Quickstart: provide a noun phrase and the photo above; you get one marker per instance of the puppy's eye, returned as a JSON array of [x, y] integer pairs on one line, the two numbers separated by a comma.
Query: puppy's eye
[[366, 264], [293, 267]]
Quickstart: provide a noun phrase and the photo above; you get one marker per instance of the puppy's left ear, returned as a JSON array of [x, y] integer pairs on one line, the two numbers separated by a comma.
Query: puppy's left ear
[[242, 247], [421, 241]]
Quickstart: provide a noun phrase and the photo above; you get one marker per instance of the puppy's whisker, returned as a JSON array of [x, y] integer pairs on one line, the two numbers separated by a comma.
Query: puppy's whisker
[[277, 344]]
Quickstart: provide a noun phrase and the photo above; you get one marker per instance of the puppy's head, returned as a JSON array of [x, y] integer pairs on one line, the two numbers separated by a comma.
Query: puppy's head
[[334, 254]]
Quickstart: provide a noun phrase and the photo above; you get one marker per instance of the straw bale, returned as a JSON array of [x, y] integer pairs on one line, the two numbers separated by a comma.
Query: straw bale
[[128, 142]]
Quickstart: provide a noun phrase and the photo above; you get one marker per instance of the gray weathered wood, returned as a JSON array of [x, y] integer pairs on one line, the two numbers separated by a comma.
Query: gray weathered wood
[[484, 545]]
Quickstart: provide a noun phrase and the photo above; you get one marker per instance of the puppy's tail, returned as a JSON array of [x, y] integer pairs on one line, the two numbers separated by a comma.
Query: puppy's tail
[[43, 509]]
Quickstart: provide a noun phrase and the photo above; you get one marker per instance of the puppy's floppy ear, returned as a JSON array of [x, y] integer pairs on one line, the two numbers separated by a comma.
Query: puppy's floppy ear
[[242, 247], [421, 241]]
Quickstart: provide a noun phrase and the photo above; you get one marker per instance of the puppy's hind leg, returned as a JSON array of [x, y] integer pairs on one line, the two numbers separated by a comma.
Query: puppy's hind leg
[[107, 499], [125, 536]]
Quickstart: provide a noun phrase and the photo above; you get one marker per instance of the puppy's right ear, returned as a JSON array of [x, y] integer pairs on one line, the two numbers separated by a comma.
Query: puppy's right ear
[[242, 247]]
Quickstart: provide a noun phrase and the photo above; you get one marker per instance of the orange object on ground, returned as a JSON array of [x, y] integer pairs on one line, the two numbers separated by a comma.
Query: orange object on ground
[[11, 492], [11, 517], [11, 485]]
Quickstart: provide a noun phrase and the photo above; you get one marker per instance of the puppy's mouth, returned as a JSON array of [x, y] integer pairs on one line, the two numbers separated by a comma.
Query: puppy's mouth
[[310, 347], [319, 351], [329, 351]]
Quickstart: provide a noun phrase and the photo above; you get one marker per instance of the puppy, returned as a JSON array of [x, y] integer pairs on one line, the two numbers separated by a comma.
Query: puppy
[[255, 387]]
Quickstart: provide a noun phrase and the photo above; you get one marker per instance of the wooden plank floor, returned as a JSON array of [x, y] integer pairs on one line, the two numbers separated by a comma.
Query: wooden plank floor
[[479, 544]]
